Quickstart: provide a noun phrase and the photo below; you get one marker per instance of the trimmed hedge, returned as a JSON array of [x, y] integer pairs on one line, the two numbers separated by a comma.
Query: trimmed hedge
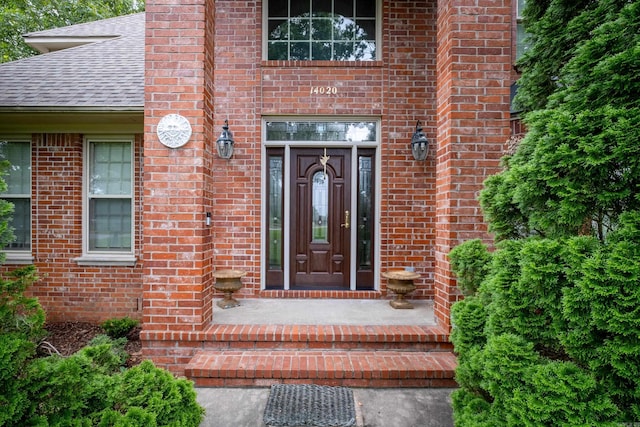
[[551, 337]]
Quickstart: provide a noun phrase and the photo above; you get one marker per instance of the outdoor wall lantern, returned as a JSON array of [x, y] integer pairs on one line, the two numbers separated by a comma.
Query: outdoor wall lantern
[[419, 143], [224, 144]]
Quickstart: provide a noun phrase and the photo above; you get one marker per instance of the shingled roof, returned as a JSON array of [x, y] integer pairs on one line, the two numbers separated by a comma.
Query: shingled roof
[[103, 72]]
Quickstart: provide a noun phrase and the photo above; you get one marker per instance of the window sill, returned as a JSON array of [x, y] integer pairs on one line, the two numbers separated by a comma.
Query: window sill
[[107, 260], [324, 64], [17, 258]]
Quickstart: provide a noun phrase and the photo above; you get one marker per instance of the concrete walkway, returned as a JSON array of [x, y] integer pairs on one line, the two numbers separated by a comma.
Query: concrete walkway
[[419, 407]]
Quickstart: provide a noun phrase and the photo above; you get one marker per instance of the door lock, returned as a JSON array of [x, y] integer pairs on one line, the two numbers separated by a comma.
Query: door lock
[[347, 218]]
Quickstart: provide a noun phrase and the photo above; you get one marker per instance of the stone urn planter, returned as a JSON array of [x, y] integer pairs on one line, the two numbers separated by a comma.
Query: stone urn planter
[[401, 283], [228, 281]]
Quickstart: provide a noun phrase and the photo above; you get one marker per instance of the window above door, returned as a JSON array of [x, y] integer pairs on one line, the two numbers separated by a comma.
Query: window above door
[[322, 30], [342, 131]]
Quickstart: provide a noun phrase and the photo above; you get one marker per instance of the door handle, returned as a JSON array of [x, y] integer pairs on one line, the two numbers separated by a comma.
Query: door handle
[[347, 218]]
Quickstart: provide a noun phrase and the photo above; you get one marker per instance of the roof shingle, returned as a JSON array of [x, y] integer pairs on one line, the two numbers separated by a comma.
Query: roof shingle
[[105, 75]]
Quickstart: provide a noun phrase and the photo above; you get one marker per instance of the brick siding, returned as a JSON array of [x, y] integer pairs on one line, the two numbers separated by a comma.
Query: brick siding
[[66, 290], [447, 64]]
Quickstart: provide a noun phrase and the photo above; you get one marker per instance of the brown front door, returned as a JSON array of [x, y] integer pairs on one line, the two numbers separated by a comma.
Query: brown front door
[[320, 218]]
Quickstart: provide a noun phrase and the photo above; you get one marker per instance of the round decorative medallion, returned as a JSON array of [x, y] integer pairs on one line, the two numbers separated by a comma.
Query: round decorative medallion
[[174, 130]]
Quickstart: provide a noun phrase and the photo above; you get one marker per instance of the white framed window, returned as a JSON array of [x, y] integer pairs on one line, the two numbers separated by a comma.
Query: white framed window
[[522, 45], [108, 208], [322, 30], [18, 179]]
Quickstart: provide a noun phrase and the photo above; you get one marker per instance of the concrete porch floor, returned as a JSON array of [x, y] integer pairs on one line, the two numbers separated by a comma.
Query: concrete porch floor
[[285, 311]]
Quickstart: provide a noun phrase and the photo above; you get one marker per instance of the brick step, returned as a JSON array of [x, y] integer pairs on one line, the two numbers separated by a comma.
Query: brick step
[[326, 367], [331, 337]]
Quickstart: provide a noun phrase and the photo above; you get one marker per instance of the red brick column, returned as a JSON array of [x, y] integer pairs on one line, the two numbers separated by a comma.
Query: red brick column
[[474, 62], [177, 244]]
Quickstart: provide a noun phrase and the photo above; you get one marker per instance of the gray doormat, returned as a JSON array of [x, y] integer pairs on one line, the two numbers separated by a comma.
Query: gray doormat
[[293, 405]]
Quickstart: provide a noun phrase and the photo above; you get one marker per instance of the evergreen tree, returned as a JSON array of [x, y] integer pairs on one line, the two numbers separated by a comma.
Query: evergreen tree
[[577, 168], [549, 335]]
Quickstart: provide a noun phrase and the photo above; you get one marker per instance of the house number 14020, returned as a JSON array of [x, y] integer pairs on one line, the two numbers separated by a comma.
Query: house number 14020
[[323, 90]]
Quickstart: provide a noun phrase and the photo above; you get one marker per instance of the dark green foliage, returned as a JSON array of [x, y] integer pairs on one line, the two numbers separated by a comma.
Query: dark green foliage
[[92, 388], [19, 313], [603, 312], [470, 409], [548, 188], [507, 358], [501, 210], [557, 28], [605, 70], [578, 168], [471, 370], [65, 390], [574, 300], [470, 263], [21, 326], [89, 388], [468, 319], [134, 417], [561, 394], [526, 304], [118, 328], [15, 350], [551, 336], [515, 386], [154, 396], [108, 354]]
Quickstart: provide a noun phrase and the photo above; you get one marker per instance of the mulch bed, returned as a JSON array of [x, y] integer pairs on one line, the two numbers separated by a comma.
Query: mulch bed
[[69, 337]]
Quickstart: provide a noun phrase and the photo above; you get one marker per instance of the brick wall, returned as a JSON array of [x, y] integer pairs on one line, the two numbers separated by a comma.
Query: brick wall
[[66, 290], [399, 88], [408, 187], [177, 244], [444, 63], [474, 64]]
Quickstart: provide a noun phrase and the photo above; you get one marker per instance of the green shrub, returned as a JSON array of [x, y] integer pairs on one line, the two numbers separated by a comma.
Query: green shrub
[[153, 396], [92, 388], [19, 313], [550, 338], [603, 313], [66, 389], [468, 318], [561, 394], [89, 388], [21, 327], [470, 262], [118, 328], [470, 409], [529, 278], [15, 350], [107, 354], [134, 417]]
